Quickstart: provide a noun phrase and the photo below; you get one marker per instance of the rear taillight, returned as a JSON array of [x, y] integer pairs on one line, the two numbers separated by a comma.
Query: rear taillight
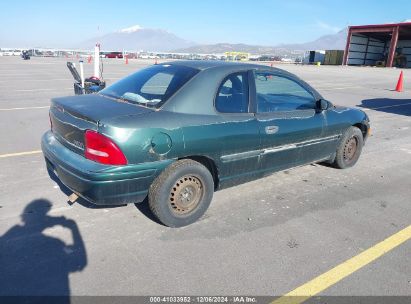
[[102, 149]]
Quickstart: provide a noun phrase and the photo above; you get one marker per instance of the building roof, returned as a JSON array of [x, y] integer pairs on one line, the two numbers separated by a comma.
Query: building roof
[[387, 25], [383, 31]]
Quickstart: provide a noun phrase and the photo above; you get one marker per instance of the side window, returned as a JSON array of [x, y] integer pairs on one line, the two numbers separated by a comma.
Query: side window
[[277, 93], [232, 96]]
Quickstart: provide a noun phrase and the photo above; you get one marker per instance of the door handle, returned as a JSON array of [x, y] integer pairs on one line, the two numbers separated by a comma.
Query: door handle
[[271, 129]]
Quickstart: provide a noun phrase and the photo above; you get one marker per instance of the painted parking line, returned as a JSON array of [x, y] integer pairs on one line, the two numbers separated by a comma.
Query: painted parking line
[[26, 108], [48, 79], [40, 90], [333, 276], [7, 82], [20, 154]]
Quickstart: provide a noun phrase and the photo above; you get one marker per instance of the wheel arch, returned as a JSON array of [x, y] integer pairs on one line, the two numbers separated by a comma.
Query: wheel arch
[[363, 127], [209, 164]]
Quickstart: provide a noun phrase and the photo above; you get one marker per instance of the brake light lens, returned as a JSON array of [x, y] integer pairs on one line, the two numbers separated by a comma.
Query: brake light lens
[[102, 149]]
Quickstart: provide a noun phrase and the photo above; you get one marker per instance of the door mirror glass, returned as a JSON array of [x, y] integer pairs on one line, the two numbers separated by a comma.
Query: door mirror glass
[[322, 105]]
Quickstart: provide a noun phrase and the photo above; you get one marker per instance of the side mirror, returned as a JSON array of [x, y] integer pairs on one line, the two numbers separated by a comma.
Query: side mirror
[[322, 105]]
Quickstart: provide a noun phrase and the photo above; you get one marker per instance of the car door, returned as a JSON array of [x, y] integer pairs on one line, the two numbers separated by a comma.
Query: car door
[[238, 132], [290, 126]]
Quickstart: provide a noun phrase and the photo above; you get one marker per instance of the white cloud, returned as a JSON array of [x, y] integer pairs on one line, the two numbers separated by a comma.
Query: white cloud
[[328, 27]]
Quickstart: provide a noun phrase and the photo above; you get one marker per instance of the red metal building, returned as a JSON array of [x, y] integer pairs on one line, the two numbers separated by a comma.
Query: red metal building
[[382, 44]]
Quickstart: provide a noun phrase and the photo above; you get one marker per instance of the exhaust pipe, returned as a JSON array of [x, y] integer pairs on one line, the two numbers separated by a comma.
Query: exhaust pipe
[[72, 198]]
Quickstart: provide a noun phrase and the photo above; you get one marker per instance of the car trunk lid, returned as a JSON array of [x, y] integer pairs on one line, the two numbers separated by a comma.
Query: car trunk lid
[[72, 116]]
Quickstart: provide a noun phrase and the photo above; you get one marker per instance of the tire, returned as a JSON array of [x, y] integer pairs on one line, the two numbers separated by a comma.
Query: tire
[[349, 148], [181, 194]]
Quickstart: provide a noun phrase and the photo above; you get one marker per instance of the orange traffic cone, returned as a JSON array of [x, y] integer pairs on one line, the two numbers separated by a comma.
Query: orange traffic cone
[[399, 87], [126, 59]]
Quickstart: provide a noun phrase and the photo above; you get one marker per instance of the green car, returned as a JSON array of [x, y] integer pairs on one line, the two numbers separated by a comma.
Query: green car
[[177, 132]]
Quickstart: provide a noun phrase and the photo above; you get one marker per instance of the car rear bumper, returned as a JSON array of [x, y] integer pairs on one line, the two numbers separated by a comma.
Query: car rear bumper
[[97, 183]]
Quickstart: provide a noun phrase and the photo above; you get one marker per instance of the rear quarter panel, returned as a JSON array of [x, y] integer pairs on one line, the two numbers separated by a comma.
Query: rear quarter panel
[[146, 138]]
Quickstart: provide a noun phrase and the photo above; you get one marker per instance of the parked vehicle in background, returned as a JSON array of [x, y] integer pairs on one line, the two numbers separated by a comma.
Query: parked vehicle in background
[[8, 53], [113, 55], [177, 132]]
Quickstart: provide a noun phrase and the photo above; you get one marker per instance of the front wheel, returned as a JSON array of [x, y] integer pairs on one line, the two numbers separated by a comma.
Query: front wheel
[[349, 149], [181, 194]]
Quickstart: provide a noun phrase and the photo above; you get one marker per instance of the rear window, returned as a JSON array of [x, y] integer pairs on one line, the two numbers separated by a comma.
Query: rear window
[[152, 86]]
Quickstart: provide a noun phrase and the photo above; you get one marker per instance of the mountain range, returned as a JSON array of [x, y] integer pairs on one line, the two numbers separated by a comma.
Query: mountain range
[[329, 42], [136, 38]]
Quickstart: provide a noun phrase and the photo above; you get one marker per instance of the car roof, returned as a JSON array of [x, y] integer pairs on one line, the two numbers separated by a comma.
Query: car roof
[[208, 64], [203, 86]]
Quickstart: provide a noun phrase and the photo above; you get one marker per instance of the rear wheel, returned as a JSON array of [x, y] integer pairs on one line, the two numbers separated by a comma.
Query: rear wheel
[[181, 194], [349, 149]]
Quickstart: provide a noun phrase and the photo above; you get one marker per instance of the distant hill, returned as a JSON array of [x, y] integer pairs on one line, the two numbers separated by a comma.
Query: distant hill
[[136, 38], [329, 42], [227, 47]]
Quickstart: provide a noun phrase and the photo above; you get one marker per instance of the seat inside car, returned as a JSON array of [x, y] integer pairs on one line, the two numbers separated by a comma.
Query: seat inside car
[[232, 99]]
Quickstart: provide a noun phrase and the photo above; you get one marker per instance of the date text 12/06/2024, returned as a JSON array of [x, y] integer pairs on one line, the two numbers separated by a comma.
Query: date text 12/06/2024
[[205, 299]]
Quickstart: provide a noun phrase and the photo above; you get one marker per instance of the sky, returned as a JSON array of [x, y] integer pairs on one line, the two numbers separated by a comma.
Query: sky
[[59, 23]]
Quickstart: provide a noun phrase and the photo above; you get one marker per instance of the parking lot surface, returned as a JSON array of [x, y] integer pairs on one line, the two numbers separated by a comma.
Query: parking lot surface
[[266, 237]]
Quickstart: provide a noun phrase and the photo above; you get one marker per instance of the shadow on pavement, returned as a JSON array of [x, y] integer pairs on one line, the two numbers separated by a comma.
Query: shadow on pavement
[[35, 264], [388, 105], [144, 208]]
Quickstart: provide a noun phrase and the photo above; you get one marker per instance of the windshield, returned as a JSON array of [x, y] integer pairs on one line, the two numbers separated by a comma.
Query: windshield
[[152, 86]]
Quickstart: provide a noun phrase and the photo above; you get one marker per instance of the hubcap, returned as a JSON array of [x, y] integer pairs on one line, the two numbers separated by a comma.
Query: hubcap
[[350, 149], [186, 194]]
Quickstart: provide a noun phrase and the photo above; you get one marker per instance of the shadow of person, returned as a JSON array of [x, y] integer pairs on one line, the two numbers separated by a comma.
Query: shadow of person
[[35, 264]]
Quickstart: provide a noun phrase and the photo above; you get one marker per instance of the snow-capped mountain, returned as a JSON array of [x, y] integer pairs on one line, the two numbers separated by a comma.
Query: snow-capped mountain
[[137, 38], [131, 29]]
